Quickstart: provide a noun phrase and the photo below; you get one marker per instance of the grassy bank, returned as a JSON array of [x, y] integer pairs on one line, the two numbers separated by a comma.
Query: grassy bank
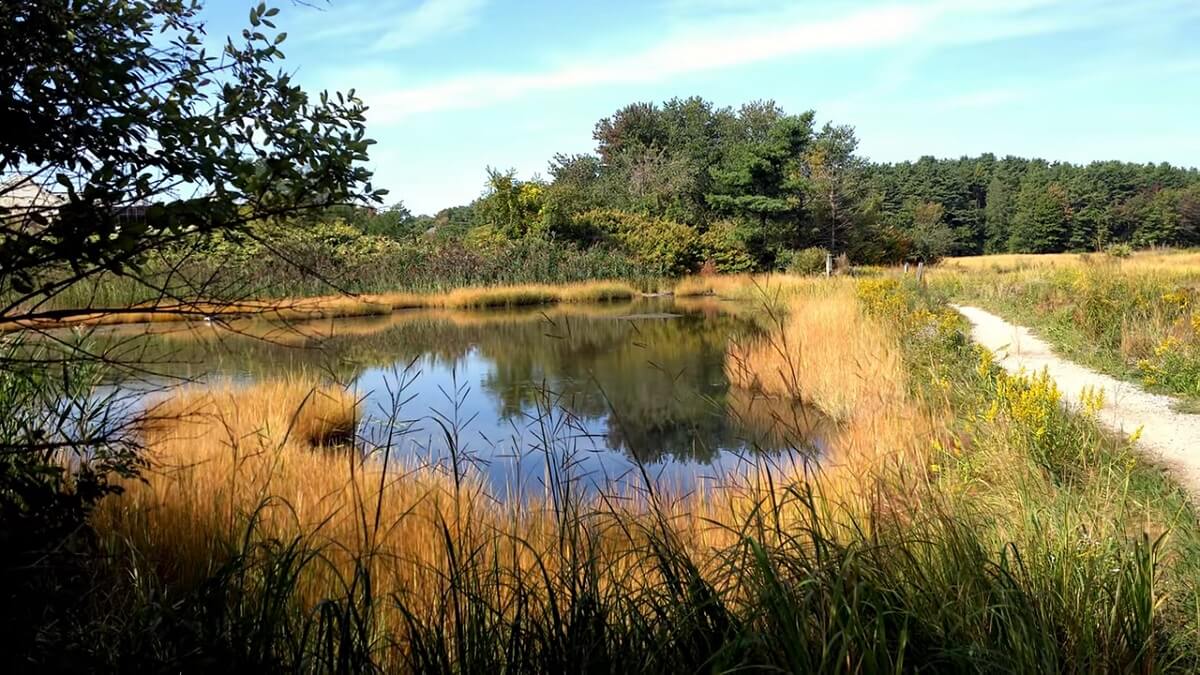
[[962, 521], [767, 289], [328, 307], [1134, 318]]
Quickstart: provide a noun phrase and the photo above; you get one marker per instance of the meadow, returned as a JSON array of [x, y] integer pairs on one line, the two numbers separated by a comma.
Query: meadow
[[1133, 317], [962, 520]]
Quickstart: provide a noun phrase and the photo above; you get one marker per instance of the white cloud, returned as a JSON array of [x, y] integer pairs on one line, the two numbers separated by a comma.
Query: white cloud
[[696, 49], [391, 25], [429, 20], [758, 35]]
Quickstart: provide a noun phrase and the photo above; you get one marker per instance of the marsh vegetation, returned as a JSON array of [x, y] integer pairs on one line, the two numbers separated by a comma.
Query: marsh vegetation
[[614, 421], [956, 518]]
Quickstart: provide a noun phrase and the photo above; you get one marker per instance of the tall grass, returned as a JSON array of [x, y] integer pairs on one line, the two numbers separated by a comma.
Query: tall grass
[[756, 287], [319, 266], [963, 521], [515, 296], [1134, 318], [327, 307], [824, 350], [1142, 261]]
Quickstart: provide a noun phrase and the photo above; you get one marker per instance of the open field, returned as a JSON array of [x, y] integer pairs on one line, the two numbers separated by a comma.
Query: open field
[[1165, 260], [963, 520], [1134, 318]]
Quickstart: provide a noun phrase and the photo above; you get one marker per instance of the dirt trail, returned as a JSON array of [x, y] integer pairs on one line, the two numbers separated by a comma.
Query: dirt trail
[[1172, 437]]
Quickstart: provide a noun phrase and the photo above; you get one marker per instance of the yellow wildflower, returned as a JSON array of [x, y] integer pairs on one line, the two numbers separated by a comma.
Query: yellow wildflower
[[1137, 434], [1178, 297], [1166, 346]]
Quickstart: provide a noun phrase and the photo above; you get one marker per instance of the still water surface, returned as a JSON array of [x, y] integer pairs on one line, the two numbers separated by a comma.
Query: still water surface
[[616, 393]]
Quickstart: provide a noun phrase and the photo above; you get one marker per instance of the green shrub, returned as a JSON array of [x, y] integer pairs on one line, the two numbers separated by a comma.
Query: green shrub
[[1119, 250], [1172, 366], [486, 239], [808, 261], [724, 247], [665, 247]]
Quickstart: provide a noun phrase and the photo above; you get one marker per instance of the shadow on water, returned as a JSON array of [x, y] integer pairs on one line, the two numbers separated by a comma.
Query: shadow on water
[[608, 386]]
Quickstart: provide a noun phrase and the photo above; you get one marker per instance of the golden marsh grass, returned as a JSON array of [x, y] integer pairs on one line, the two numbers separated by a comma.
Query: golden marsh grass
[[277, 452], [962, 524], [221, 453], [755, 287], [1163, 260], [338, 306], [304, 332]]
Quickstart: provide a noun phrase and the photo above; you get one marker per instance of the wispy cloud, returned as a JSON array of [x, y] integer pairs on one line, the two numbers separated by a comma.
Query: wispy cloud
[[694, 49], [391, 25], [431, 19], [738, 38]]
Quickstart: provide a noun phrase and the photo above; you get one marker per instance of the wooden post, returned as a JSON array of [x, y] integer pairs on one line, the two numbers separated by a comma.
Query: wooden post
[[905, 268], [828, 264], [920, 270]]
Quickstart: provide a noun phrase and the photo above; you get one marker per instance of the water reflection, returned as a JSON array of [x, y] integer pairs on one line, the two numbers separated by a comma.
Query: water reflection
[[606, 390]]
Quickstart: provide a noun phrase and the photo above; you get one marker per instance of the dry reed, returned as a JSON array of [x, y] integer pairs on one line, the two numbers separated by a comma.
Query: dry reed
[[228, 455], [1160, 260], [339, 306], [221, 453], [275, 454]]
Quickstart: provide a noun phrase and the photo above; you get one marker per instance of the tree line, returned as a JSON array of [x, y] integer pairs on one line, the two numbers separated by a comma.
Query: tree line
[[686, 184]]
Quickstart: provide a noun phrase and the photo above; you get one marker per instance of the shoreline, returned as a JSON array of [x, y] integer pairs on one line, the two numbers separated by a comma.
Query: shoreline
[[380, 304], [343, 306]]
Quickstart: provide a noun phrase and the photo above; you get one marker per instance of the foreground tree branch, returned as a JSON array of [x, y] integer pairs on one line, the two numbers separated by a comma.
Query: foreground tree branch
[[110, 113]]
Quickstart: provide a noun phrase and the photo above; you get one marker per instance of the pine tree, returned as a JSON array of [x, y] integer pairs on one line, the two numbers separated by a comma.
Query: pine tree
[[1042, 221], [997, 216]]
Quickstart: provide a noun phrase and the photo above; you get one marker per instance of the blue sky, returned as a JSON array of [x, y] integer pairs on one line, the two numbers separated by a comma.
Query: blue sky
[[457, 85]]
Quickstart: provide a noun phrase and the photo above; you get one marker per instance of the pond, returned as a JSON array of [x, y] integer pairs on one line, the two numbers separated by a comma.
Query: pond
[[619, 393]]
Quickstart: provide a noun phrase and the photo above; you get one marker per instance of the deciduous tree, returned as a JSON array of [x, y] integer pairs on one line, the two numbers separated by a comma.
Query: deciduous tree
[[121, 135]]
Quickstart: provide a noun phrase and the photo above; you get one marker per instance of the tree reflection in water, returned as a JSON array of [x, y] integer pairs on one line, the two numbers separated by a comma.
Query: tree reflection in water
[[608, 385]]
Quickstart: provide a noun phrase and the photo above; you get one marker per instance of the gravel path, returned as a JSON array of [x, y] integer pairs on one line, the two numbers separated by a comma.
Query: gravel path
[[1172, 437]]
